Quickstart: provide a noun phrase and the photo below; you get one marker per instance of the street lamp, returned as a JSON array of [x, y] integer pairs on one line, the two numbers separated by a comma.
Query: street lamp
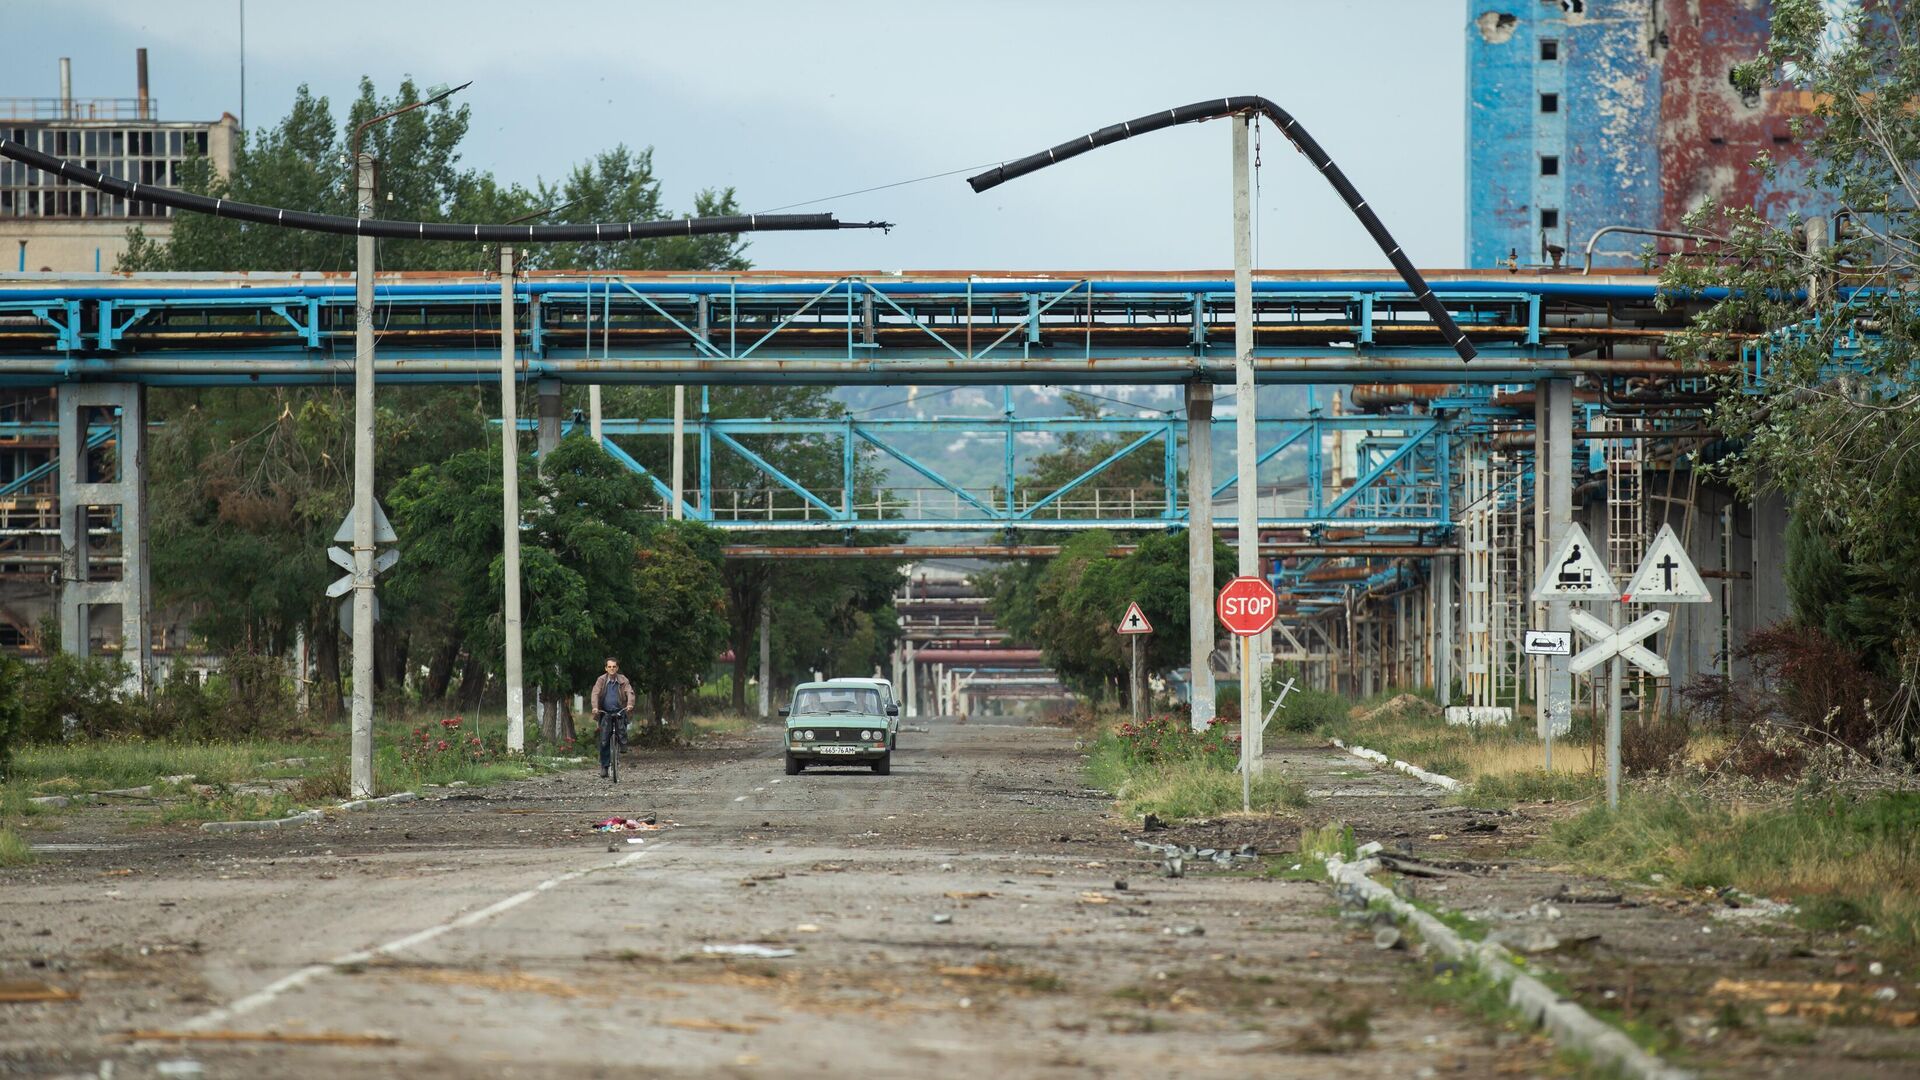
[[363, 499]]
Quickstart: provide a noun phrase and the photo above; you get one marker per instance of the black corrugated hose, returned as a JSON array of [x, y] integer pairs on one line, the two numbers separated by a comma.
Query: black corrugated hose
[[1234, 106], [422, 230]]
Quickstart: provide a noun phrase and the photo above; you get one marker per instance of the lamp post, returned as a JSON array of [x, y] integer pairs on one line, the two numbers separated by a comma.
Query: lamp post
[[361, 780]]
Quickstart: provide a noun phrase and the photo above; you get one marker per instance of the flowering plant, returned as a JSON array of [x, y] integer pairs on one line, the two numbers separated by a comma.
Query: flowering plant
[[1166, 737], [429, 748]]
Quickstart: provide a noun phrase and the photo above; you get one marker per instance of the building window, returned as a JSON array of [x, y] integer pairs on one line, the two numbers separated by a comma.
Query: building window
[[1549, 165], [1549, 50], [1549, 103], [1549, 219]]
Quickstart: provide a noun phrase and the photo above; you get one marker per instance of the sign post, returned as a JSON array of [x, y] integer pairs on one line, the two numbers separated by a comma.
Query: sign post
[[1665, 576], [1134, 624], [1247, 606], [1573, 571]]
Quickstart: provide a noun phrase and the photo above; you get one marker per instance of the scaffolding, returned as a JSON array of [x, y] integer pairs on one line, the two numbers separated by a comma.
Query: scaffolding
[[1506, 540], [1476, 595]]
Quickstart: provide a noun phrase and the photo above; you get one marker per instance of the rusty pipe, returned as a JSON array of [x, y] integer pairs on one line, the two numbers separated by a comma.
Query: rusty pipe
[[1374, 397]]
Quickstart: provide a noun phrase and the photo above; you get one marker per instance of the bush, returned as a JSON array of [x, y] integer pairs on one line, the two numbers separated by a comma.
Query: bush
[[1306, 709], [12, 717], [66, 695], [1655, 745], [1163, 738]]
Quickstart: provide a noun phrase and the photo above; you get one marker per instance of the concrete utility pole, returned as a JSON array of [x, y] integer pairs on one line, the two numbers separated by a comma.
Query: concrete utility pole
[[1200, 631], [1246, 412], [510, 508], [361, 779], [766, 650]]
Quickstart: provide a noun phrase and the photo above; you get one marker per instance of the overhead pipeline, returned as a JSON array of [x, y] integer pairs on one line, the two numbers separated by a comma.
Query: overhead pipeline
[[1376, 397], [1303, 142], [421, 230]]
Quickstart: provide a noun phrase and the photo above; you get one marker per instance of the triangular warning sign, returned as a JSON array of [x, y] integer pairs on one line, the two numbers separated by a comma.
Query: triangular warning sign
[[1134, 621], [1574, 571], [1666, 575]]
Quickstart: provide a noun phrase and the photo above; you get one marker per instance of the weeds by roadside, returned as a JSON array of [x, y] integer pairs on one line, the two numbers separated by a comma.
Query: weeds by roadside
[[1163, 767], [14, 849], [1843, 859]]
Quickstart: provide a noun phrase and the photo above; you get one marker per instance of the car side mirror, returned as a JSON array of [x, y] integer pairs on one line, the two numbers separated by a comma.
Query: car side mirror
[[893, 710], [784, 712]]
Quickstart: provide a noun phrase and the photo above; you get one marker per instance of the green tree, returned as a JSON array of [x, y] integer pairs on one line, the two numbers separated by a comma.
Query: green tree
[[1838, 439]]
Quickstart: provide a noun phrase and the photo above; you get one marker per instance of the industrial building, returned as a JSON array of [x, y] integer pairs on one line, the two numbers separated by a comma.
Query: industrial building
[[50, 225], [1591, 115]]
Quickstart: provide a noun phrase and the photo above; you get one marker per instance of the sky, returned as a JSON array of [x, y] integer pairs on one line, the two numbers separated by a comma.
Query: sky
[[794, 102]]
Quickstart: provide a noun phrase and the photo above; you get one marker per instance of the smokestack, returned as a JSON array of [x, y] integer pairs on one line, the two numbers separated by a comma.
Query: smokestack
[[141, 63], [66, 88]]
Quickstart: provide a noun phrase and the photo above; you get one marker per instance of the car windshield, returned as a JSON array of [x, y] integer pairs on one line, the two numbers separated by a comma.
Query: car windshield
[[829, 700]]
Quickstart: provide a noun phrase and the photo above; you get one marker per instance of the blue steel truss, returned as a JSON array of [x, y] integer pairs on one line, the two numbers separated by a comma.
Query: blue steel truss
[[841, 330], [1401, 489]]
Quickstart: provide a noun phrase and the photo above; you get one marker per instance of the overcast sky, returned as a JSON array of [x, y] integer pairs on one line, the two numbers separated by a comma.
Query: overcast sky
[[789, 102]]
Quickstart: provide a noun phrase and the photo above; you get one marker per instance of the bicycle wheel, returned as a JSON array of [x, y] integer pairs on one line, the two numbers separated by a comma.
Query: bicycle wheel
[[613, 752]]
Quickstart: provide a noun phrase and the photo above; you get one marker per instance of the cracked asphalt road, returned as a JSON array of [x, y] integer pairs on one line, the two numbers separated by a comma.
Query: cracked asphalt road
[[964, 914]]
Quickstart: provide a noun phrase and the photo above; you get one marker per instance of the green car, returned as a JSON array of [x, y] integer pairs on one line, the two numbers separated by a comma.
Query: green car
[[839, 724]]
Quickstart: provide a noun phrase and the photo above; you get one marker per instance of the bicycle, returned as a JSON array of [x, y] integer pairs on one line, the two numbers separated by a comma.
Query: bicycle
[[613, 729]]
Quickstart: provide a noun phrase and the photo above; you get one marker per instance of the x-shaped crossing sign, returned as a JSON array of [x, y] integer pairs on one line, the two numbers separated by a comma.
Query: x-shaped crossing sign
[[1624, 642]]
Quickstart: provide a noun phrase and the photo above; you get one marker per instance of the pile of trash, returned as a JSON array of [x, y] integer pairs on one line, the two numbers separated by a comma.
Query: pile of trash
[[650, 823], [1177, 855]]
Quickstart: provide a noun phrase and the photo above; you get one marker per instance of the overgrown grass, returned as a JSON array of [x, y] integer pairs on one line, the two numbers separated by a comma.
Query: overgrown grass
[[1182, 779], [1844, 860], [14, 850]]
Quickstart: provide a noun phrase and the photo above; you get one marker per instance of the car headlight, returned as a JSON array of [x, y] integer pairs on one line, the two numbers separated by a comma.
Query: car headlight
[[866, 736], [808, 734]]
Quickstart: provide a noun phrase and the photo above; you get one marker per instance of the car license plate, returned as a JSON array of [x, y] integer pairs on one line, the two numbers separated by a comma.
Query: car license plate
[[837, 749]]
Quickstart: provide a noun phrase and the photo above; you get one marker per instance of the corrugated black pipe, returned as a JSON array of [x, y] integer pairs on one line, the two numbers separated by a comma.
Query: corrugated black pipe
[[1234, 106], [422, 230]]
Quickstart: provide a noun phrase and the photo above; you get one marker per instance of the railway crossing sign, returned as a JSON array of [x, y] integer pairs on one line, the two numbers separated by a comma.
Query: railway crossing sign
[[1575, 571], [1134, 621], [1666, 575], [1624, 642], [1247, 606]]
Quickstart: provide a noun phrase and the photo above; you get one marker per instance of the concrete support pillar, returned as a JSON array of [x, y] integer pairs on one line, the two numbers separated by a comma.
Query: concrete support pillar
[[913, 680], [1200, 629], [1443, 629], [766, 651], [1559, 462], [124, 498], [549, 418], [1246, 411]]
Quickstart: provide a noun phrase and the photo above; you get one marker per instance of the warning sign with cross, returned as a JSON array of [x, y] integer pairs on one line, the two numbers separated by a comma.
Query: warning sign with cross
[[1134, 621], [1666, 575]]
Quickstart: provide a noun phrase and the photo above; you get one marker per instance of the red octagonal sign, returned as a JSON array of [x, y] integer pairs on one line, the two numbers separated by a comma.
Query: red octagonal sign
[[1247, 606]]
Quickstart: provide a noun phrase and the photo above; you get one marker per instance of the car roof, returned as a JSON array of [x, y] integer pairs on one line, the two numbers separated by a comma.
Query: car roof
[[846, 679]]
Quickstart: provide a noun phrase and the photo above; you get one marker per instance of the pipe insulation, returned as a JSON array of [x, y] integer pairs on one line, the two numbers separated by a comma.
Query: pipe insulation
[[1303, 142], [422, 230]]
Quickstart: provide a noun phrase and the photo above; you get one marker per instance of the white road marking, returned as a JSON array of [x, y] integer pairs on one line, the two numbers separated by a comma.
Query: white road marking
[[307, 974]]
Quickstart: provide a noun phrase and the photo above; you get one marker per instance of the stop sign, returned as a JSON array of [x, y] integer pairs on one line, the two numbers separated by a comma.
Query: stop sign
[[1247, 606]]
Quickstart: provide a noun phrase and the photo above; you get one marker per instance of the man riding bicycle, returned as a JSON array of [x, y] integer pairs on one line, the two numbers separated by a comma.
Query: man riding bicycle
[[612, 701]]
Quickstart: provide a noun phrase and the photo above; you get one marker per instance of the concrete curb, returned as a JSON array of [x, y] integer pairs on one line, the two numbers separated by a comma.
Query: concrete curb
[[1569, 1024], [1445, 782], [306, 817], [384, 800]]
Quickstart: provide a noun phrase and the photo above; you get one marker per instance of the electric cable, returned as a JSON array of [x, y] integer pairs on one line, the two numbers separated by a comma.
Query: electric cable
[[1303, 142], [422, 230], [880, 187]]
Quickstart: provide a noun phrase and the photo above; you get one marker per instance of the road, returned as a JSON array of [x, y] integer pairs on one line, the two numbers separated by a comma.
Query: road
[[978, 911]]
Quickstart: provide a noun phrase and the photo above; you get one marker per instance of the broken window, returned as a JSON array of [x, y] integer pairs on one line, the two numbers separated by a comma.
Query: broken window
[[1549, 165], [1549, 103], [1549, 219], [1549, 50]]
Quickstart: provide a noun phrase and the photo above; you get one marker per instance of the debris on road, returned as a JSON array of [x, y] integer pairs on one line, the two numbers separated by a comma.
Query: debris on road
[[973, 894], [704, 1024], [942, 918], [756, 952], [17, 993], [290, 1038], [650, 823]]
